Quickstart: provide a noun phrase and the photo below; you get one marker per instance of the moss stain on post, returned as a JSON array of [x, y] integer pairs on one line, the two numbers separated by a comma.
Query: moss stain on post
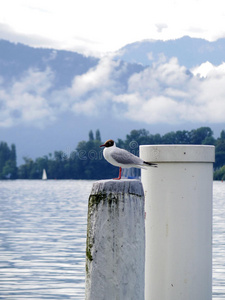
[[89, 244], [94, 200], [88, 252]]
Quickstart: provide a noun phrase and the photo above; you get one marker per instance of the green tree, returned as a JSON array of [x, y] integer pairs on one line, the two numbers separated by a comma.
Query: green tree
[[222, 135], [98, 135], [134, 139], [27, 170], [219, 174], [91, 135], [8, 168], [183, 137], [169, 138], [219, 154], [200, 135]]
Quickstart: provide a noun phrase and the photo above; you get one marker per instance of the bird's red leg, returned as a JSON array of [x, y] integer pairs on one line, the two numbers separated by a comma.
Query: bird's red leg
[[119, 175]]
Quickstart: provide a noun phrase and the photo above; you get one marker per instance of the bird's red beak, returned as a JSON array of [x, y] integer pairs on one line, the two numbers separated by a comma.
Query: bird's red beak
[[102, 145]]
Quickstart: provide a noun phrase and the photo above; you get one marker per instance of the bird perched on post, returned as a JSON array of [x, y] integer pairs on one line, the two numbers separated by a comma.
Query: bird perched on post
[[122, 158]]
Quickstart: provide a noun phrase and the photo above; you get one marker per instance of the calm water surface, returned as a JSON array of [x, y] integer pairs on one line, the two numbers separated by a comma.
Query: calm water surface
[[43, 235], [42, 239]]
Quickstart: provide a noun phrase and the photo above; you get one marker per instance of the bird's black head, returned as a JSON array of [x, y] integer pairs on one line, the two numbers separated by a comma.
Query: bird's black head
[[108, 143]]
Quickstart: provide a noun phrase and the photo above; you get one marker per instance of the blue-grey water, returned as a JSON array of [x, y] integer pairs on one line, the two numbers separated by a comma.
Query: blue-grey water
[[43, 235]]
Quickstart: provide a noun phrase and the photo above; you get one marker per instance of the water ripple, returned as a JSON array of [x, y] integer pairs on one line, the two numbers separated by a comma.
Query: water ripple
[[42, 239]]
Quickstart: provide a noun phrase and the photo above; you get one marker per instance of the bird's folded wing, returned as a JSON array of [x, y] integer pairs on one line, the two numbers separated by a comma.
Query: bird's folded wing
[[126, 158]]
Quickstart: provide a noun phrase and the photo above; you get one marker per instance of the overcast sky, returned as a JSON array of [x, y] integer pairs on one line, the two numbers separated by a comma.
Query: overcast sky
[[103, 26]]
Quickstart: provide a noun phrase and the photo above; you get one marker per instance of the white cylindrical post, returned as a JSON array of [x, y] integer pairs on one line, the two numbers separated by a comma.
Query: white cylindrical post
[[178, 225], [115, 250]]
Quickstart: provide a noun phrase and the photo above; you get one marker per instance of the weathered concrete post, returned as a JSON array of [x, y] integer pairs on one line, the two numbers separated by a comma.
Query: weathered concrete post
[[115, 250], [178, 205]]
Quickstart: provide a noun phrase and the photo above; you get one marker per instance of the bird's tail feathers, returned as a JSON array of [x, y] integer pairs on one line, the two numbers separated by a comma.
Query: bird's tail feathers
[[150, 164]]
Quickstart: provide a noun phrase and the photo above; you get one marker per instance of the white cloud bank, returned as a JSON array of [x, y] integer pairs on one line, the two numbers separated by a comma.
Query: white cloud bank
[[168, 93], [25, 100], [163, 93]]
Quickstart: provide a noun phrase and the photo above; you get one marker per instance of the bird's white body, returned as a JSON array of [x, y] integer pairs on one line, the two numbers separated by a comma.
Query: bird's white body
[[122, 158]]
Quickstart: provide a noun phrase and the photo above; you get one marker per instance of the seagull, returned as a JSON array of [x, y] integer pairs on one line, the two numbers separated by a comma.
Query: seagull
[[122, 158]]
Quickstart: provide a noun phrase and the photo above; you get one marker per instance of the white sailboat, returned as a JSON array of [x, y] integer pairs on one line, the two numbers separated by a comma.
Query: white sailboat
[[44, 175]]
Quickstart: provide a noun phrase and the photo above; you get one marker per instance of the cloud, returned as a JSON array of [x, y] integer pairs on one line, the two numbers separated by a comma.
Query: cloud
[[25, 100], [34, 40], [97, 78], [166, 93], [161, 26], [85, 46], [207, 70], [92, 92]]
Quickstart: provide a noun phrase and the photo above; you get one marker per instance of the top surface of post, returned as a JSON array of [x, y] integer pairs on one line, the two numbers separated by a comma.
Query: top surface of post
[[129, 186], [177, 153]]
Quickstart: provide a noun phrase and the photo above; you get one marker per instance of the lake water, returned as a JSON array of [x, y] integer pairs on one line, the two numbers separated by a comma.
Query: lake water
[[43, 236]]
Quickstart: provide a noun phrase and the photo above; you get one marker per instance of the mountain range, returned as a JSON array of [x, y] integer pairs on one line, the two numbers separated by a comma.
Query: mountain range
[[190, 52], [50, 99]]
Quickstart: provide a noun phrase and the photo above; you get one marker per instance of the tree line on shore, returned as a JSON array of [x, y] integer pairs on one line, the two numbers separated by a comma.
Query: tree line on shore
[[87, 162]]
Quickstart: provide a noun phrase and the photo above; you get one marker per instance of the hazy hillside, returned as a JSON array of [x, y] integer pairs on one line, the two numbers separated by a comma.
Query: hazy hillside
[[15, 59], [189, 51]]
